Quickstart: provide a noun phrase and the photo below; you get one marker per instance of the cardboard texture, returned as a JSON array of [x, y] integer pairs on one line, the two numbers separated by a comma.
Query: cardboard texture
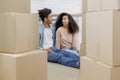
[[110, 4], [22, 6], [91, 5], [83, 44], [82, 49], [95, 70], [100, 5], [30, 65], [102, 36], [18, 32]]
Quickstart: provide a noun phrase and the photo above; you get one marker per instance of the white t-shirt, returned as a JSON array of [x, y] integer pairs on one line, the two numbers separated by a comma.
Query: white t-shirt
[[48, 41]]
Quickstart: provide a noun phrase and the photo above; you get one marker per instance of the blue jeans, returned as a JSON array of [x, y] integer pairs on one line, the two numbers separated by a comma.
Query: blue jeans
[[64, 57], [72, 50]]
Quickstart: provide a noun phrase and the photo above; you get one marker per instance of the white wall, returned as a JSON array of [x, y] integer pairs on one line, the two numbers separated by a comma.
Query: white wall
[[57, 6]]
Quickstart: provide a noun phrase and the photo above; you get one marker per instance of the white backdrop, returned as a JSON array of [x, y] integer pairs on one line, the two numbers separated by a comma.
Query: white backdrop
[[57, 6]]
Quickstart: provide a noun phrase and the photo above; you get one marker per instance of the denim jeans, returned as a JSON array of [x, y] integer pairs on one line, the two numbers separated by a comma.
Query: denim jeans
[[63, 57], [72, 50]]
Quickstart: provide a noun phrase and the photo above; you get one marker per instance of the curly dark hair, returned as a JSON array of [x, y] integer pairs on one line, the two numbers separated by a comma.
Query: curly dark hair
[[73, 26], [43, 13]]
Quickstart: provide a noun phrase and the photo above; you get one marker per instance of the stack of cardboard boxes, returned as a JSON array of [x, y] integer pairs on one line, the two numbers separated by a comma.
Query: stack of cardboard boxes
[[19, 40], [83, 44], [102, 60]]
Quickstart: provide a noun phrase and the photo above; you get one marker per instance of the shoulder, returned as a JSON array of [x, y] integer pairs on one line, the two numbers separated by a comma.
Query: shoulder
[[52, 26], [60, 29], [41, 26]]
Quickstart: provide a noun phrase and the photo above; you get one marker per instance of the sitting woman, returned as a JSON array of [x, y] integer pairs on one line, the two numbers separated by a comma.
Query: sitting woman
[[47, 40], [66, 34]]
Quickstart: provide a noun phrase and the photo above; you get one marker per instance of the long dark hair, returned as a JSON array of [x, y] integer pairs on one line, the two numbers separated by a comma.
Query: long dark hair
[[73, 26]]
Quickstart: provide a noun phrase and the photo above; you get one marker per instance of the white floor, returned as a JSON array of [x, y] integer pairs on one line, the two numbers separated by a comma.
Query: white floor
[[60, 72]]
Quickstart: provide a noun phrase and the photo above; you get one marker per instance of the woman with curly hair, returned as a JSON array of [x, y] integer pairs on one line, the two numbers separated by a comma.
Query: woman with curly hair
[[66, 33], [47, 40]]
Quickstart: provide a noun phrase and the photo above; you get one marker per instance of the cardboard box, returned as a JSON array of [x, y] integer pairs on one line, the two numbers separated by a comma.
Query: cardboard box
[[82, 49], [95, 70], [23, 6], [91, 5], [83, 44], [30, 65], [100, 5], [102, 36], [83, 28], [18, 32], [0, 67], [110, 4]]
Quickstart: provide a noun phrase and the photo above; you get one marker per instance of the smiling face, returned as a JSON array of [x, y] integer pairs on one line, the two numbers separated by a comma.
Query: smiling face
[[65, 20]]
